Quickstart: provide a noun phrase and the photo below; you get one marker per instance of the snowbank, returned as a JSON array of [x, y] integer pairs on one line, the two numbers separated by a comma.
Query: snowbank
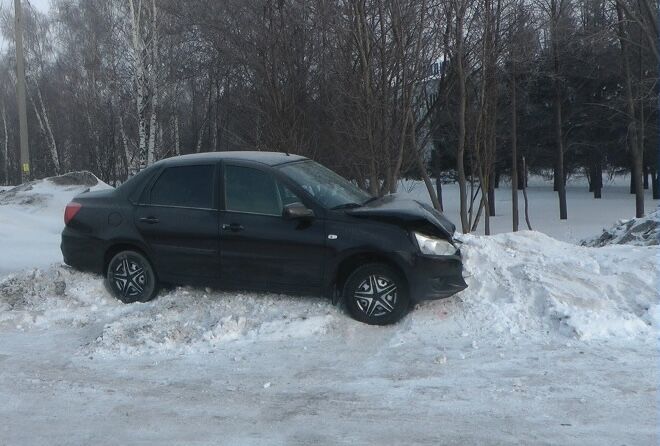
[[643, 231], [179, 320], [530, 284], [521, 285], [31, 219]]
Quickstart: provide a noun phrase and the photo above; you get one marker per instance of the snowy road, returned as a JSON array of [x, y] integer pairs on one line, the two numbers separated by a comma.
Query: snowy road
[[355, 387]]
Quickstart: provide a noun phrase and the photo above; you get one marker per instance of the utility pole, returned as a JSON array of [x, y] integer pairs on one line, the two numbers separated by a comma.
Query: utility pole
[[20, 92]]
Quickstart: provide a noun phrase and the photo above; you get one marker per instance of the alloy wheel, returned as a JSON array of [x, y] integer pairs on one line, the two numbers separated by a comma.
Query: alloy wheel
[[376, 296], [129, 277]]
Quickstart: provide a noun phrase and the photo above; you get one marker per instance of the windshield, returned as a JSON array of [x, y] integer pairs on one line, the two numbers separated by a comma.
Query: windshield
[[328, 188]]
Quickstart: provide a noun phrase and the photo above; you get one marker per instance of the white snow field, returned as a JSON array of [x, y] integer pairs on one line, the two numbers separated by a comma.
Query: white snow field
[[586, 216], [551, 343]]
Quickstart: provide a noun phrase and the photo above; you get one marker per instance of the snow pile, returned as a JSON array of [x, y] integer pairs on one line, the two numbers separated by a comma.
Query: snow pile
[[529, 284], [43, 192], [180, 320], [31, 219], [187, 320], [55, 297], [643, 231]]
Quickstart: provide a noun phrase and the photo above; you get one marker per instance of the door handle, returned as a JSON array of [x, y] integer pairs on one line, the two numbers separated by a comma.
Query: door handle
[[233, 227], [149, 220]]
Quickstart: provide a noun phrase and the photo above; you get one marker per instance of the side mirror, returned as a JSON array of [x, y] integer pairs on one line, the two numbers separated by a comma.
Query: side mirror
[[295, 211]]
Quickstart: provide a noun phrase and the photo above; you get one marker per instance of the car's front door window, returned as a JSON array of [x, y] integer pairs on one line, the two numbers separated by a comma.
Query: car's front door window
[[288, 197], [255, 191]]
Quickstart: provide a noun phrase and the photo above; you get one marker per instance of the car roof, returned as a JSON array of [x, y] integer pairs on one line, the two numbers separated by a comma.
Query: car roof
[[268, 158]]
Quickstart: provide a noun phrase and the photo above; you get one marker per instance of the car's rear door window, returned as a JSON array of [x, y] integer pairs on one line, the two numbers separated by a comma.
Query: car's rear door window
[[251, 190], [184, 186]]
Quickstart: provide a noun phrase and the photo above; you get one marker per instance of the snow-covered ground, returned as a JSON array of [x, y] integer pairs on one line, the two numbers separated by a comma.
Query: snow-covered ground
[[586, 216], [551, 343]]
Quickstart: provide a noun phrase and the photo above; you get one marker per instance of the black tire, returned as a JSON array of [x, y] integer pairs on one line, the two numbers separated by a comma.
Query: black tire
[[131, 278], [376, 294]]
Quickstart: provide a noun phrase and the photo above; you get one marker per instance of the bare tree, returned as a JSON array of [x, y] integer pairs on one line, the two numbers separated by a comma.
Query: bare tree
[[524, 168], [144, 39], [459, 9], [46, 129], [556, 13], [345, 82], [514, 144], [636, 149]]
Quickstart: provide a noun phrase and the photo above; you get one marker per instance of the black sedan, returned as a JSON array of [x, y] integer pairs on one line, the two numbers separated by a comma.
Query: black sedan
[[263, 221]]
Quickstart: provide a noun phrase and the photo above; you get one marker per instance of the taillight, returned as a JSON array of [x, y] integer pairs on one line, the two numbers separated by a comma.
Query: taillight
[[70, 211]]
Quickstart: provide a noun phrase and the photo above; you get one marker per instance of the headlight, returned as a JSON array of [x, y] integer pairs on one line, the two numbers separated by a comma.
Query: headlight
[[434, 246]]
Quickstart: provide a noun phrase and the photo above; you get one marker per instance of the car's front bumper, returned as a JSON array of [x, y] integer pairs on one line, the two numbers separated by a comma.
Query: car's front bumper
[[436, 277]]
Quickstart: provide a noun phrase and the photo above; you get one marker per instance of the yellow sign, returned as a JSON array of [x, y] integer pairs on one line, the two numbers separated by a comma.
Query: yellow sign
[[26, 167]]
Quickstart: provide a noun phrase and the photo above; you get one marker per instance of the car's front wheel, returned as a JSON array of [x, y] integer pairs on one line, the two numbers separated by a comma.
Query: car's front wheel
[[376, 294], [131, 278]]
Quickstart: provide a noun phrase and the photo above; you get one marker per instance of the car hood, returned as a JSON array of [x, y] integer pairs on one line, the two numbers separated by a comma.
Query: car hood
[[409, 213]]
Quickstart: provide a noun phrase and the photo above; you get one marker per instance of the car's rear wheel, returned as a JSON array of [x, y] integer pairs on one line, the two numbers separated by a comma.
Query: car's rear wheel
[[376, 294], [131, 278]]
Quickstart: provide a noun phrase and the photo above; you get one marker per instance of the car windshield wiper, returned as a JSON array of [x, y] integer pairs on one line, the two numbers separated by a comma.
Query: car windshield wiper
[[346, 206], [370, 199]]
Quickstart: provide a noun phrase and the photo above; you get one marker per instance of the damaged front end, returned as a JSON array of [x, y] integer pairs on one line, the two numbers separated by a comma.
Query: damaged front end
[[436, 269]]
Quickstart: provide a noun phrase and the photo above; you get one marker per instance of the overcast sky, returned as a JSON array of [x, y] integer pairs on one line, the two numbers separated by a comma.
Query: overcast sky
[[41, 5]]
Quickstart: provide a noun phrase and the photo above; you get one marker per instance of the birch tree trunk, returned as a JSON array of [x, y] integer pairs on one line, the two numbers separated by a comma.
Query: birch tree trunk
[[53, 145], [140, 99], [44, 125], [128, 159], [153, 78]]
